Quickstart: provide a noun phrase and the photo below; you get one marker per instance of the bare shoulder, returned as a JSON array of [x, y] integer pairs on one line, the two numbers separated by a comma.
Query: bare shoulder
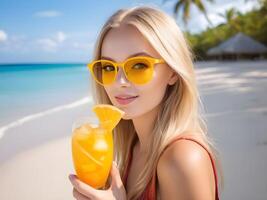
[[185, 171]]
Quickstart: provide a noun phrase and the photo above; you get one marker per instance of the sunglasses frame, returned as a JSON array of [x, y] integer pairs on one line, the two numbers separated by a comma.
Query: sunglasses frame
[[152, 61]]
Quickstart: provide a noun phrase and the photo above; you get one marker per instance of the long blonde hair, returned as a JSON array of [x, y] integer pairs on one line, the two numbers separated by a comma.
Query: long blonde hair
[[180, 108]]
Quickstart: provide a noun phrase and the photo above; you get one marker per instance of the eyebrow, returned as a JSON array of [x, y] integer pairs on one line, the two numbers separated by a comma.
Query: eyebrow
[[133, 55]]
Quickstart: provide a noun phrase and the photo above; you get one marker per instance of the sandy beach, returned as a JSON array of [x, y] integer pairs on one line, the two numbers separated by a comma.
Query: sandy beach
[[35, 151]]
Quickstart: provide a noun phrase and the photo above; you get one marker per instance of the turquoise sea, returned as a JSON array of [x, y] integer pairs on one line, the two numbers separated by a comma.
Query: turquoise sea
[[31, 88]]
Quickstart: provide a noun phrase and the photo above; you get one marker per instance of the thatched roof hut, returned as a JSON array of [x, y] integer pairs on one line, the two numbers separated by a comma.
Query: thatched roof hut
[[238, 45]]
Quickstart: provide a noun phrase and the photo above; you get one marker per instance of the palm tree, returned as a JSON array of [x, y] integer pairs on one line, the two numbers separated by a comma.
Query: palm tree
[[230, 17], [185, 6]]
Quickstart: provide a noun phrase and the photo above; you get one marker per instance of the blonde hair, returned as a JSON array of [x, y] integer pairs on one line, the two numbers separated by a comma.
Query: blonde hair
[[180, 107]]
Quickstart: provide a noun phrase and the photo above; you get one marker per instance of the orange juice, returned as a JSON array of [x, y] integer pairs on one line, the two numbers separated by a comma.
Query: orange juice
[[92, 151], [92, 146]]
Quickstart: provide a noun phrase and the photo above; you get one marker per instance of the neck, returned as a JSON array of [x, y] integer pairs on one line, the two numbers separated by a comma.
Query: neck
[[144, 126]]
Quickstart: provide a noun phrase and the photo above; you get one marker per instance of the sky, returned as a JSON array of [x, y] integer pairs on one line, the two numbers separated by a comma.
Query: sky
[[65, 31]]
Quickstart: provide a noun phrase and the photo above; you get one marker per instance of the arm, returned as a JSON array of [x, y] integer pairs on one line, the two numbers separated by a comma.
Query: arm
[[185, 172]]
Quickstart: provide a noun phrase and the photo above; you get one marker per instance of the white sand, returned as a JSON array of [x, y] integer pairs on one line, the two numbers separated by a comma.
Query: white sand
[[39, 173], [235, 98], [35, 156]]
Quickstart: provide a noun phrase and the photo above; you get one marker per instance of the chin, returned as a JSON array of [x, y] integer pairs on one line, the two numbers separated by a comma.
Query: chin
[[126, 117], [131, 116]]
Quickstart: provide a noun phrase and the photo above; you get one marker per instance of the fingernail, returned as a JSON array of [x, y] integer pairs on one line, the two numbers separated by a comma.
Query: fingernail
[[71, 177]]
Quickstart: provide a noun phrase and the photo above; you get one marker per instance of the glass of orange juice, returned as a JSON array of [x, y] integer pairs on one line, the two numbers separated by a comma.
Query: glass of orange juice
[[92, 145]]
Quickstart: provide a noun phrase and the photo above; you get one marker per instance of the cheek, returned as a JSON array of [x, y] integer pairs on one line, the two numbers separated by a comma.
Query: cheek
[[150, 97], [110, 94]]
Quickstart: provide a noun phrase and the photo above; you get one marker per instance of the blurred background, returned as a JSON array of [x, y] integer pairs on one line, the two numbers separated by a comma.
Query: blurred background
[[44, 87]]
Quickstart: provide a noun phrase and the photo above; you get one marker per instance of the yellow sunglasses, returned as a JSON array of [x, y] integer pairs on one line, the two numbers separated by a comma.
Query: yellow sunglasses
[[138, 70]]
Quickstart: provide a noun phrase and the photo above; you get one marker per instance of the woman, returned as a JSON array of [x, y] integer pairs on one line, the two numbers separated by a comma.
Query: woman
[[143, 66]]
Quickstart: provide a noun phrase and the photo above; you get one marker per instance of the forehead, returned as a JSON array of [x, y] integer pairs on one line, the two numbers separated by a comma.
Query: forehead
[[123, 41]]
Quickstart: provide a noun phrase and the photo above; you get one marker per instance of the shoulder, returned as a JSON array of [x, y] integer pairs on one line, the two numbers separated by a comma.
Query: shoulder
[[185, 171]]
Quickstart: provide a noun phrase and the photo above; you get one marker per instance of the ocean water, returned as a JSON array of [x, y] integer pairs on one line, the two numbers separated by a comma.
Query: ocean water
[[26, 89]]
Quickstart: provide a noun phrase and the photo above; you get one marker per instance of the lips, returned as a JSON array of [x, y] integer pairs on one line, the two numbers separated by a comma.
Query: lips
[[125, 96], [125, 99]]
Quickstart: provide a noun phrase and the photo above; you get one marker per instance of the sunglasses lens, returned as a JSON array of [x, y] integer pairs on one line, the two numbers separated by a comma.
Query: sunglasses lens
[[104, 72], [139, 70]]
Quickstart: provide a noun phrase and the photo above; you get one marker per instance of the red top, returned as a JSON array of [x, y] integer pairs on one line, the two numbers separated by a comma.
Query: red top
[[150, 192]]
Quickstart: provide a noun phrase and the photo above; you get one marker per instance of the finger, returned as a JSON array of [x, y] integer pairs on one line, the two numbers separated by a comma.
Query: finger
[[78, 195], [82, 188], [115, 175]]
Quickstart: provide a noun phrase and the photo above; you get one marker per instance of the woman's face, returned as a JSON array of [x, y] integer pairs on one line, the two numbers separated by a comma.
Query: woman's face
[[120, 44]]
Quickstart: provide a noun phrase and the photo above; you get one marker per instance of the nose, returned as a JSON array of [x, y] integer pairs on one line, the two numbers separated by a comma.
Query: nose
[[121, 78]]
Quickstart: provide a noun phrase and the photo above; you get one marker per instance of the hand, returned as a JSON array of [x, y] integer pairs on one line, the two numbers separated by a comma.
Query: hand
[[116, 191]]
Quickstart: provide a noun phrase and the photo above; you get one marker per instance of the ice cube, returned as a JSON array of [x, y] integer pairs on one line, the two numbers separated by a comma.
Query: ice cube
[[101, 145]]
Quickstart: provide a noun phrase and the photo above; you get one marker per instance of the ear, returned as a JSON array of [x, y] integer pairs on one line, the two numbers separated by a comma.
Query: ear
[[173, 78]]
